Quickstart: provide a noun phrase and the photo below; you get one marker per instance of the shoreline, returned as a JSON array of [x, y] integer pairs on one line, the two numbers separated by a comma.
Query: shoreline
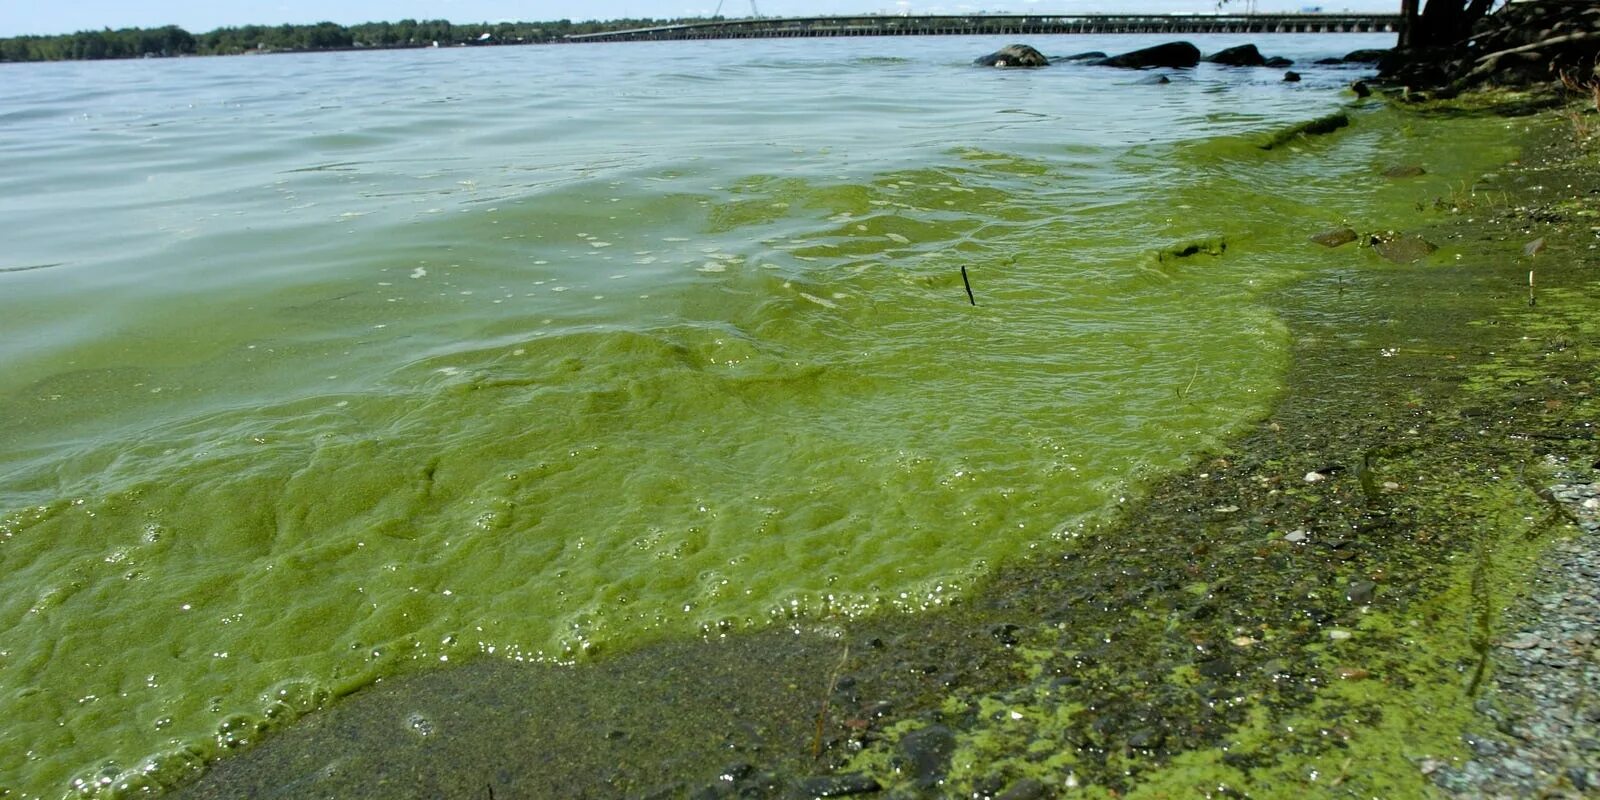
[[1245, 625]]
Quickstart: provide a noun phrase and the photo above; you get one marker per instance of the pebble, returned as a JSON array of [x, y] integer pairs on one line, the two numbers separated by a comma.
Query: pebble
[[1523, 641], [840, 785]]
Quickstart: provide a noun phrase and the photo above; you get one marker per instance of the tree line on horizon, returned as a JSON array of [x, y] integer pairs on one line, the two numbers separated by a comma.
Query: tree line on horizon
[[172, 40]]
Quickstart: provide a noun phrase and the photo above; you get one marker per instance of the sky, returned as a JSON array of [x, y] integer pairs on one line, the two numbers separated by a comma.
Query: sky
[[18, 17]]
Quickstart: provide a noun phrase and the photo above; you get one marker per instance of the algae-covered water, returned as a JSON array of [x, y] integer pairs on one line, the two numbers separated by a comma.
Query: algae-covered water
[[321, 368]]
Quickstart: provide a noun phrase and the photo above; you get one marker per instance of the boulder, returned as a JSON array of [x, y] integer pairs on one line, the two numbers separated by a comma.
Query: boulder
[[1245, 55], [1092, 55], [1279, 62], [1361, 89], [1014, 55], [1171, 54], [1291, 77], [1365, 56]]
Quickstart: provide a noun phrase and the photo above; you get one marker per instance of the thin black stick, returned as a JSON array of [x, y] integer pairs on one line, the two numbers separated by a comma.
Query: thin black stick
[[968, 284]]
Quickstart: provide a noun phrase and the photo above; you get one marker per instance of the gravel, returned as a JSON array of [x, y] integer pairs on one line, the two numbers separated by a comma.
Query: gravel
[[1544, 697]]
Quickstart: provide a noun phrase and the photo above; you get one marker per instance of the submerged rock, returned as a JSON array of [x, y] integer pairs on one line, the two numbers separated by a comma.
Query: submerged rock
[[1365, 56], [840, 785], [1014, 55], [1211, 247], [1334, 237], [1025, 789], [1087, 56], [1291, 77], [1403, 248], [1279, 61], [929, 750], [1171, 54], [1404, 171], [1245, 55], [1318, 127]]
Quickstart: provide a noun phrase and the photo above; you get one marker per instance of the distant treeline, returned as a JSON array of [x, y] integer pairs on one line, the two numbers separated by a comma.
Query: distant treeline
[[175, 41]]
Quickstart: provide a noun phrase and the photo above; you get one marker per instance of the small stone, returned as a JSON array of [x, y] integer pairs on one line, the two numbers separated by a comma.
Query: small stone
[[1592, 503], [1339, 634], [1315, 477], [1580, 778], [1334, 237], [1361, 592], [1517, 767], [1025, 789], [1243, 641], [1405, 171], [840, 785], [1403, 248], [1430, 765], [1352, 674], [1296, 536], [1522, 641], [929, 750], [1391, 485]]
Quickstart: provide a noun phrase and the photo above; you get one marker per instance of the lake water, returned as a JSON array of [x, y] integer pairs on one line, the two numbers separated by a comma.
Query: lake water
[[318, 368]]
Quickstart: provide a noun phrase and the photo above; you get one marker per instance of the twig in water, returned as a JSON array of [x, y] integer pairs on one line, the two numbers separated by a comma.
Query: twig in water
[[1184, 392], [833, 683], [1532, 250], [968, 284]]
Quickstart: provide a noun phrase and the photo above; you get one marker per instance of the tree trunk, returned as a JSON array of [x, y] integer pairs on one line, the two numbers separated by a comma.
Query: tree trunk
[[1442, 23], [1408, 23]]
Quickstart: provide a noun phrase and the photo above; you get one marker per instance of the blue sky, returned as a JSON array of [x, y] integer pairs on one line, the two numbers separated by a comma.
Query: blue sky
[[64, 16]]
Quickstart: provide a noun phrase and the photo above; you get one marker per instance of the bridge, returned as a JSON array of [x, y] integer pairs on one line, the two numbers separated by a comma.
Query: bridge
[[1001, 24]]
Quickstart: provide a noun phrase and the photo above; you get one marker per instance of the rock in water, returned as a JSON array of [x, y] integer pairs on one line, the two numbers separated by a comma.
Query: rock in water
[[1245, 55], [1014, 55], [929, 750], [1365, 56], [1334, 237], [1291, 77], [1171, 54], [1279, 61], [1404, 171], [1403, 248], [1361, 89], [1089, 56]]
